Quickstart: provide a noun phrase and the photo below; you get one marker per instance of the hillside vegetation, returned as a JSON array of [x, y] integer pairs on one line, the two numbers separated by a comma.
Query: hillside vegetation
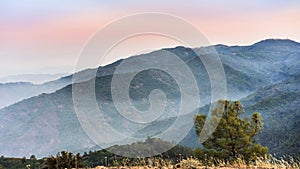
[[264, 76]]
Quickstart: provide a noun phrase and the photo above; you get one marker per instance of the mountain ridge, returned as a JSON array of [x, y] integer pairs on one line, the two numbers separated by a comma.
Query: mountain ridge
[[32, 78], [47, 123]]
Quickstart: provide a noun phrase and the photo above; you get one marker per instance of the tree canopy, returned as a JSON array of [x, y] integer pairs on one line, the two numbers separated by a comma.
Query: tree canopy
[[234, 137]]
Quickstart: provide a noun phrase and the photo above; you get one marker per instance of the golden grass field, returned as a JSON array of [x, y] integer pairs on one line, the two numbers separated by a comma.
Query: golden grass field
[[199, 167], [191, 163]]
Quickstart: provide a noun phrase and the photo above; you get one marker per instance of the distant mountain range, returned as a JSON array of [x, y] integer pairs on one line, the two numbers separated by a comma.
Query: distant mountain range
[[11, 93], [264, 76], [32, 78], [14, 92]]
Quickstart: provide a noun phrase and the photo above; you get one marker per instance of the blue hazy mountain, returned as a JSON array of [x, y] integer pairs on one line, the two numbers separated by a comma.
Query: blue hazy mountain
[[32, 78], [15, 91], [47, 123]]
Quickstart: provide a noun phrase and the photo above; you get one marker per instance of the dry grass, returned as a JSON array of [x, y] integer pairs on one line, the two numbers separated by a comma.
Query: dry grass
[[190, 163]]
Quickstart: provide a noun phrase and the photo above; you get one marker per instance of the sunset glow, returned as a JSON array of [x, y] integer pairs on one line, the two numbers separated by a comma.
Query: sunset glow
[[35, 34]]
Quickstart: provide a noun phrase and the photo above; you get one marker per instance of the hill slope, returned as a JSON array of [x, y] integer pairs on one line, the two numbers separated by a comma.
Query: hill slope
[[279, 107], [47, 123]]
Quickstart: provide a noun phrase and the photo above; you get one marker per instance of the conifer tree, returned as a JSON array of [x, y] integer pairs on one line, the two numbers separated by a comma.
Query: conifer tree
[[234, 137]]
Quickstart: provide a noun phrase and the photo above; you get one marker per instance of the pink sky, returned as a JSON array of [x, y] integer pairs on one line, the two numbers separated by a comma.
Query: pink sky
[[35, 35]]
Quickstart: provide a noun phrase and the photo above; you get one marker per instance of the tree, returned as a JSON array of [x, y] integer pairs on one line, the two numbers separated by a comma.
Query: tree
[[77, 161], [33, 161], [64, 160], [234, 137], [51, 162]]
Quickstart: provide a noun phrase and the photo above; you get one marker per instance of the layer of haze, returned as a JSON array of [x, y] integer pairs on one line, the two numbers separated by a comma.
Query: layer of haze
[[47, 36]]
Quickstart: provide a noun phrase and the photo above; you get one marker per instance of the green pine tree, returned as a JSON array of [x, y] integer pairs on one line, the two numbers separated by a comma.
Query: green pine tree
[[234, 137]]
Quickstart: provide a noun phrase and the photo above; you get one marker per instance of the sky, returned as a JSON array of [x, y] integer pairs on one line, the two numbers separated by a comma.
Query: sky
[[39, 36]]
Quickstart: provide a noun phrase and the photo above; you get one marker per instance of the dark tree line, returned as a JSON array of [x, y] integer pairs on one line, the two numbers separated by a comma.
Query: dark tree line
[[64, 160]]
